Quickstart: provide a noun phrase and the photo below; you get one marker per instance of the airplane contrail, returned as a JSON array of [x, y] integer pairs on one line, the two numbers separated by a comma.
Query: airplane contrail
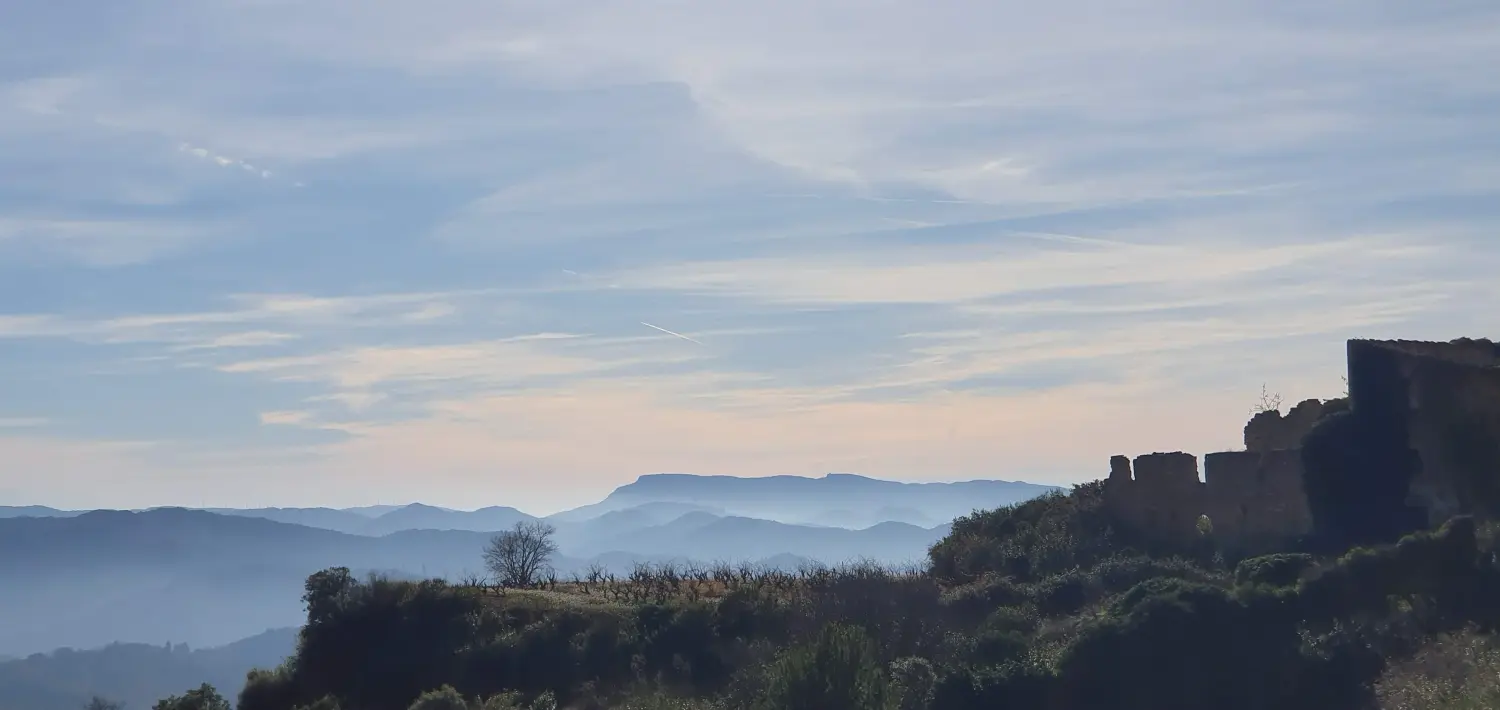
[[668, 332]]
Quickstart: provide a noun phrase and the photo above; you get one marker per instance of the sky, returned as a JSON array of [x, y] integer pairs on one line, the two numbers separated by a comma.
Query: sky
[[345, 252]]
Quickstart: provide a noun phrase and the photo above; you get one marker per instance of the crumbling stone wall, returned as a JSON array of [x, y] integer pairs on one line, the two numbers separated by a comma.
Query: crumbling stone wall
[[1252, 498], [1159, 496], [1256, 497], [1271, 431]]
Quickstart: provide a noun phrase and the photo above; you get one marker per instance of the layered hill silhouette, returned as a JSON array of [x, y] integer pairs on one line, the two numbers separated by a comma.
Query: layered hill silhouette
[[84, 579], [207, 578], [135, 674], [184, 575], [834, 500]]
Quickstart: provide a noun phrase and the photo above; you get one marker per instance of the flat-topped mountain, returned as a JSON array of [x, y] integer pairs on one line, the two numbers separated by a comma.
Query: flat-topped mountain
[[838, 499]]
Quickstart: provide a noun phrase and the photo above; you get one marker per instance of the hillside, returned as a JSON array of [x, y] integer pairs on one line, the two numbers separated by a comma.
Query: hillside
[[1042, 606], [135, 674]]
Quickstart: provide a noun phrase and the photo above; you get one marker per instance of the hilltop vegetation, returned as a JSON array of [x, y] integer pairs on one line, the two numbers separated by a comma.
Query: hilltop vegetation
[[1039, 605]]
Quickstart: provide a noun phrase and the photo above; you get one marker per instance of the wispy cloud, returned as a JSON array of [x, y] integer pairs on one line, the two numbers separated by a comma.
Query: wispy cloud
[[247, 339], [284, 418], [914, 274], [225, 328], [99, 242], [920, 239], [23, 422]]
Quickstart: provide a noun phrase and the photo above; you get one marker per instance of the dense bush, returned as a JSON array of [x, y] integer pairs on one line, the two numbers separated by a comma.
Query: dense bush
[[204, 697], [1054, 533], [1278, 570], [1209, 649], [840, 670], [1356, 474], [444, 698]]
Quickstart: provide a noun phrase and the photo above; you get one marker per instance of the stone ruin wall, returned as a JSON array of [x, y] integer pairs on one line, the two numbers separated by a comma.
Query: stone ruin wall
[[1251, 497], [1446, 397], [1272, 431]]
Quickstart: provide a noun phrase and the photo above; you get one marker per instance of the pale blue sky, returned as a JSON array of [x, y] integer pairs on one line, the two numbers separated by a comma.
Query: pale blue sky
[[355, 251]]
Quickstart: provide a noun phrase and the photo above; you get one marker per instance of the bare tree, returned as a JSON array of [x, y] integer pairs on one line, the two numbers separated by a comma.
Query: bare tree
[[518, 556], [1269, 402]]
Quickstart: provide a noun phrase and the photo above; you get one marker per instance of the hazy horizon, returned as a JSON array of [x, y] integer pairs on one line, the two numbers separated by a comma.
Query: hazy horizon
[[463, 508], [498, 253]]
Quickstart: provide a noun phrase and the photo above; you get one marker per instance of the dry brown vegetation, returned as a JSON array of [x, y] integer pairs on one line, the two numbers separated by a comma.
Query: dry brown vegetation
[[667, 582]]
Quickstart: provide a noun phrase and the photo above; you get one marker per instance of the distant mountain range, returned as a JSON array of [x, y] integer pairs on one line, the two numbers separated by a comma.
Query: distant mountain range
[[835, 500], [209, 577], [388, 519]]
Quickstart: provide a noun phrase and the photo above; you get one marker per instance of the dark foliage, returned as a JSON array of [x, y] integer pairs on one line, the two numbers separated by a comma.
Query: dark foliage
[[1208, 650], [1051, 534], [204, 697], [1278, 570], [1357, 467], [840, 670]]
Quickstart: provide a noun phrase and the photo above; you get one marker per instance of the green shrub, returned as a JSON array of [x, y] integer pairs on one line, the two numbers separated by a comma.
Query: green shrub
[[502, 701], [444, 698], [1357, 473], [1440, 566], [912, 682], [1119, 573], [1011, 685], [1062, 594], [997, 647], [204, 697], [268, 690], [1052, 534], [747, 612], [1278, 570], [1171, 644], [840, 670], [1011, 620], [327, 702], [981, 597]]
